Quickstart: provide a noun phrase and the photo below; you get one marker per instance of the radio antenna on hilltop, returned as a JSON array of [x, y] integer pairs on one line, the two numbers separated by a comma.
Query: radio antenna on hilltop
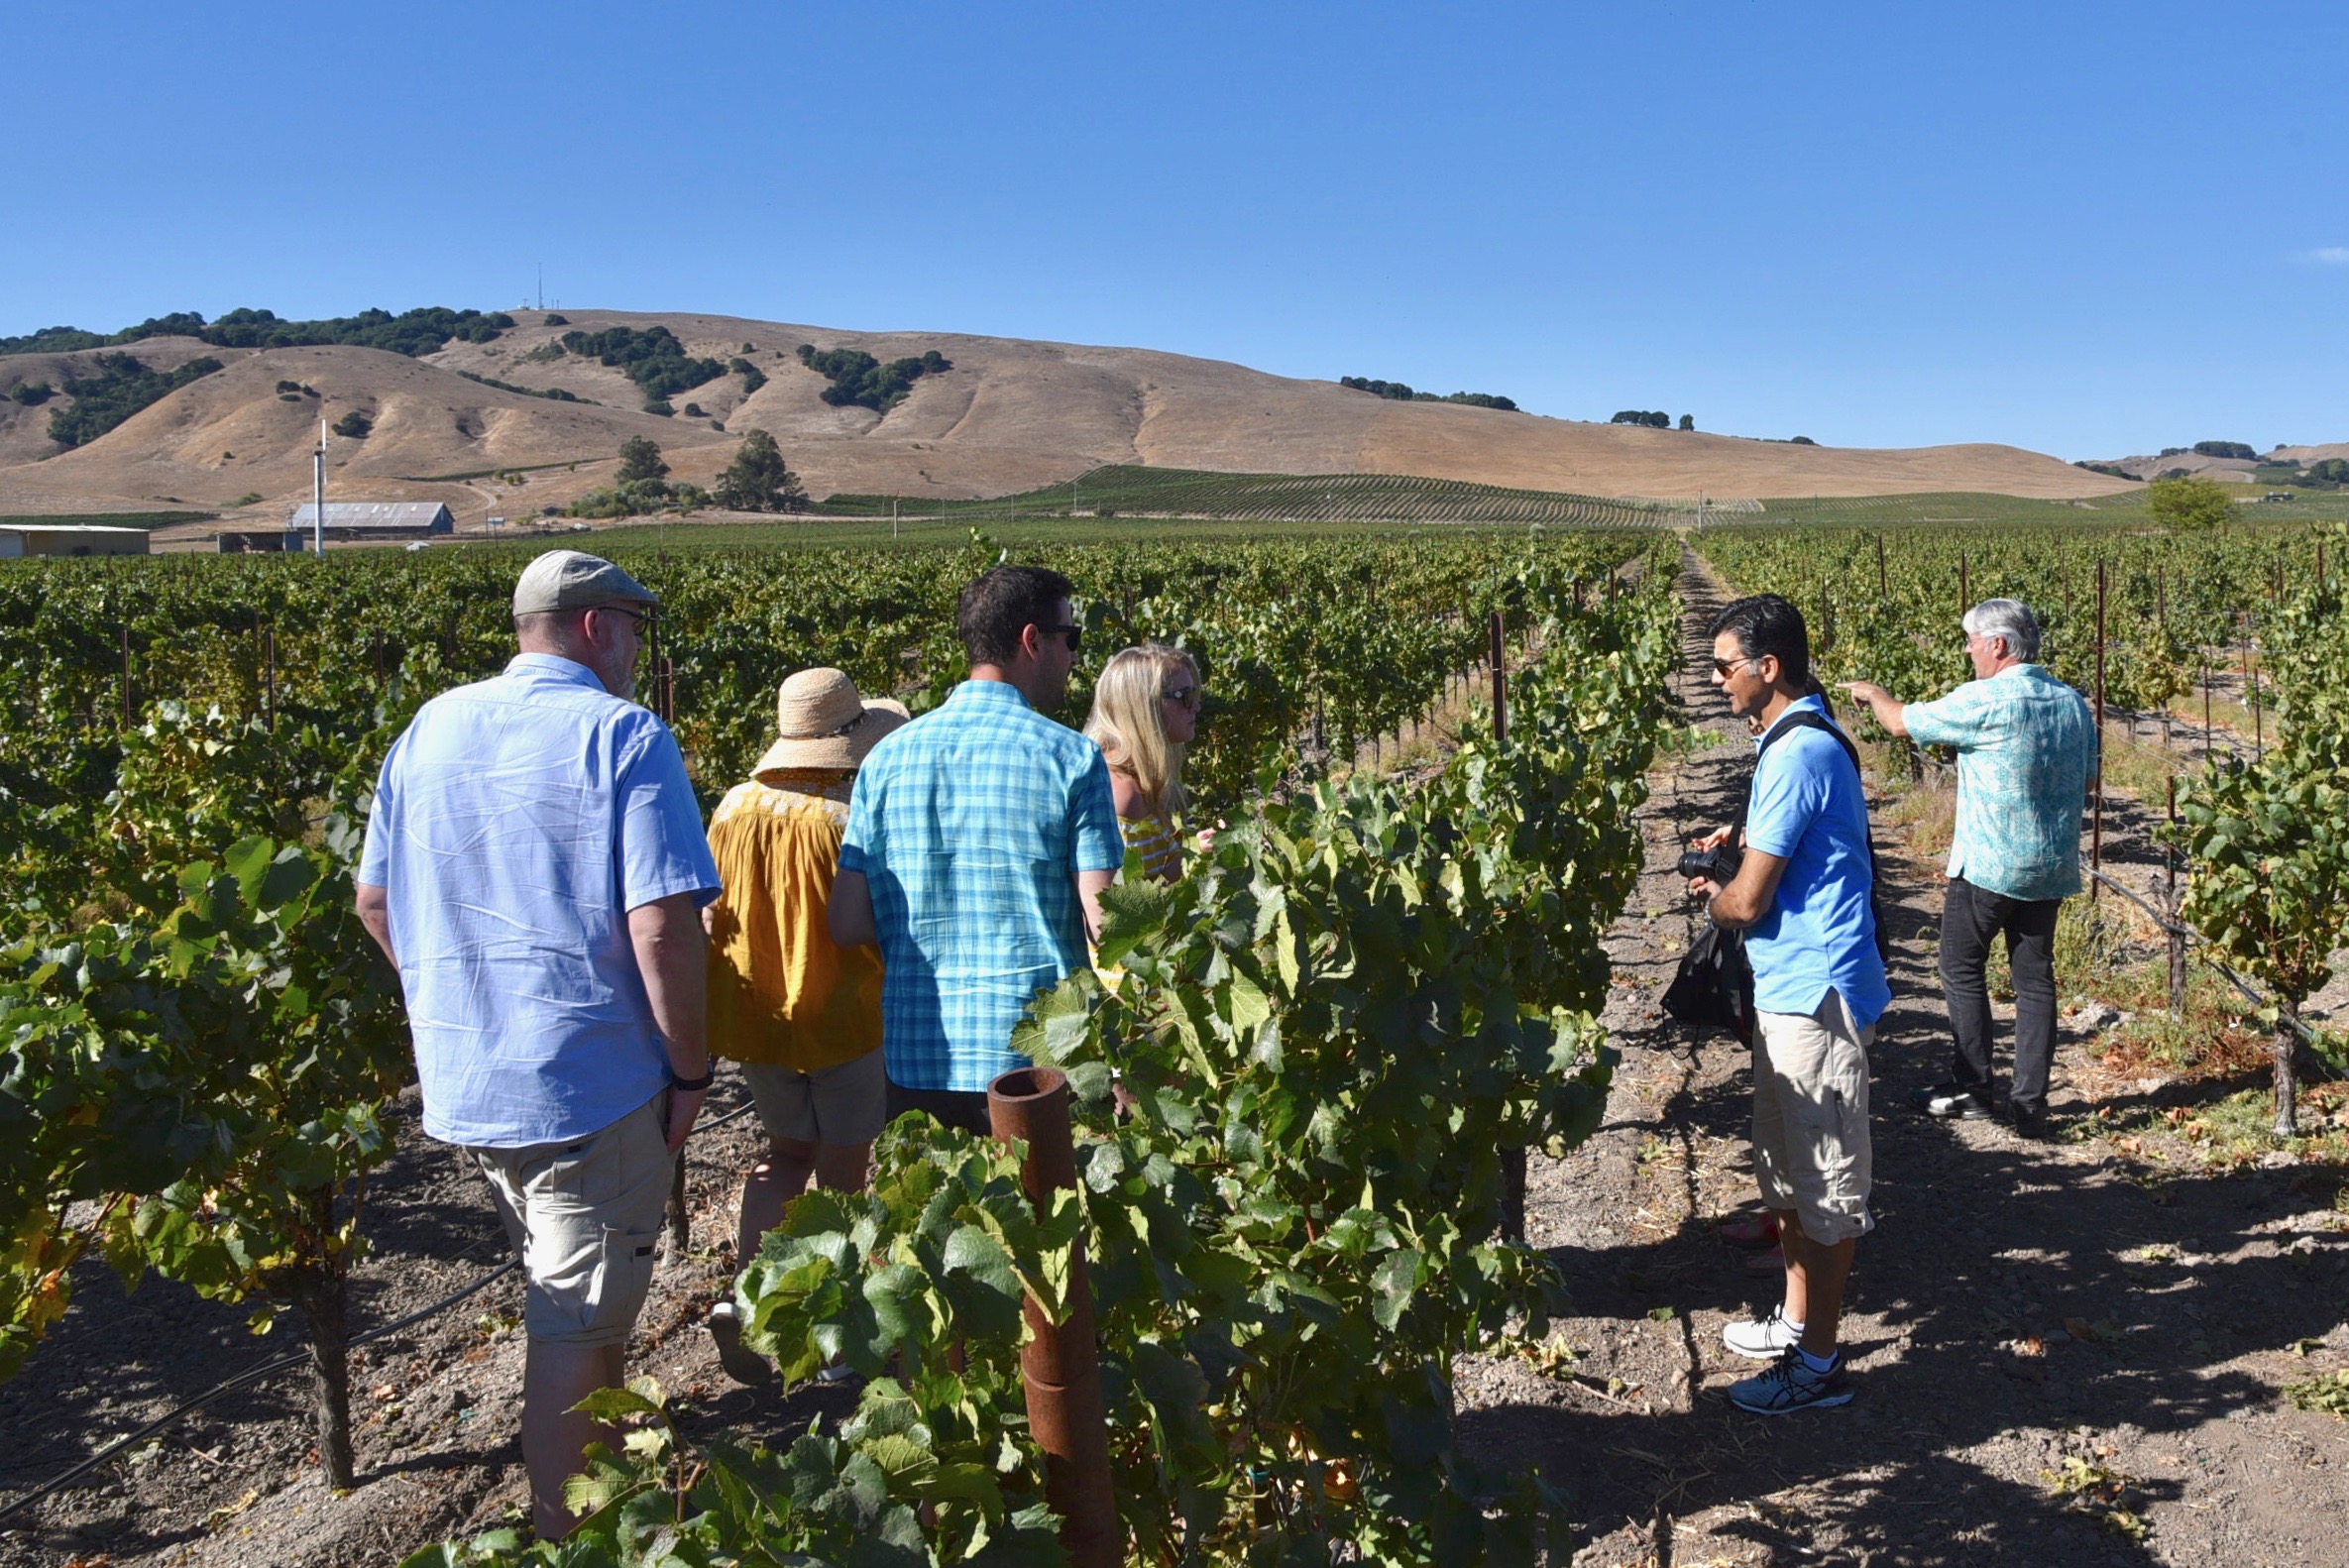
[[318, 496], [542, 285]]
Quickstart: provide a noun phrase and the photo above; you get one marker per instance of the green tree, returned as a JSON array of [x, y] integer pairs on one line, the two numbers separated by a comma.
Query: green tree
[[354, 425], [2190, 504], [1688, 421], [640, 458], [758, 479]]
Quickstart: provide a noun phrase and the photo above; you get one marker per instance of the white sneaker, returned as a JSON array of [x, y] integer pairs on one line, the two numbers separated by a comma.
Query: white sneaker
[[742, 1364], [1763, 1339]]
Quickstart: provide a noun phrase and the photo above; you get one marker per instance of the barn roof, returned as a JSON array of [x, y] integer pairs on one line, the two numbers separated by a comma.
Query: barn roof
[[375, 514]]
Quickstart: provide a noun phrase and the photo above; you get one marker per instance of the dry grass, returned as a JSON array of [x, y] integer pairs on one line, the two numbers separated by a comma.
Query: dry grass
[[1011, 416]]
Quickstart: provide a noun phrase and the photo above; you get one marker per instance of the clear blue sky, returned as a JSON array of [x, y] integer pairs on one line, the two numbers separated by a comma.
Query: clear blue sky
[[2092, 229]]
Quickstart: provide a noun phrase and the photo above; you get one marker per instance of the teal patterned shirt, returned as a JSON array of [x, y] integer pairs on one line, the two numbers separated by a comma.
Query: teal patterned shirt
[[2026, 747]]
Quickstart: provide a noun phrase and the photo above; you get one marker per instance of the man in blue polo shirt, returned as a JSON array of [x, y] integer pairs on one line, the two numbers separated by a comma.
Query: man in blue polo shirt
[[1803, 896], [979, 839], [535, 869]]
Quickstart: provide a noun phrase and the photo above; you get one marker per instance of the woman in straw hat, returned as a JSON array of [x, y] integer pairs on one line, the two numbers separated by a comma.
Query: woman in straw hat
[[1146, 713], [800, 1015]]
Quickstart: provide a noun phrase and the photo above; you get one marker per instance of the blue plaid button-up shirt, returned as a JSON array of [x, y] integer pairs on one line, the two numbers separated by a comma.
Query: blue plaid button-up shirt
[[970, 825]]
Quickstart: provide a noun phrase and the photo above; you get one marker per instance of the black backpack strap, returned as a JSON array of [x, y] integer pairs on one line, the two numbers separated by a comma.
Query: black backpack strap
[[1809, 719]]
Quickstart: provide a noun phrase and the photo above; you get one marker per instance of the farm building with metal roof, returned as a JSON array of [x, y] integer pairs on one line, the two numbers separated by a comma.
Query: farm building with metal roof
[[31, 539], [376, 519]]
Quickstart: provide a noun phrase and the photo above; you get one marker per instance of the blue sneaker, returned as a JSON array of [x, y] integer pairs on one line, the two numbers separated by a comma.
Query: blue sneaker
[[1791, 1386]]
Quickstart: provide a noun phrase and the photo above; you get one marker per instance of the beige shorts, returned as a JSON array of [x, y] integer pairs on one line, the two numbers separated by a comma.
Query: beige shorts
[[1811, 1151], [847, 1104], [586, 1217]]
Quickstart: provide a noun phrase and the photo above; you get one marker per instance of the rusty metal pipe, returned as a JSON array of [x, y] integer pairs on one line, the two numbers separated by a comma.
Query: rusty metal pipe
[[1057, 1364]]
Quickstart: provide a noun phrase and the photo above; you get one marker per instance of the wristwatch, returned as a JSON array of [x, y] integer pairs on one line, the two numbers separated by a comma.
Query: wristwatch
[[694, 1085]]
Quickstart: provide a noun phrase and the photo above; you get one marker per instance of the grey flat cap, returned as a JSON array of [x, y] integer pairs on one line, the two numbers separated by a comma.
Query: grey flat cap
[[575, 579]]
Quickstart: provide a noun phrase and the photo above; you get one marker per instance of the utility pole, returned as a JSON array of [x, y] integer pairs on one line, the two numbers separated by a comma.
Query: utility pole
[[318, 493]]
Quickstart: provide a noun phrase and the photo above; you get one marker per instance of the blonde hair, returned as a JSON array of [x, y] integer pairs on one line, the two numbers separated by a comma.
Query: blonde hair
[[1129, 727]]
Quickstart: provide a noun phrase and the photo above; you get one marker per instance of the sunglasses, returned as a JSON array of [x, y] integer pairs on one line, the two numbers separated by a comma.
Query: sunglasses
[[1722, 667], [1074, 634], [1189, 696], [642, 619]]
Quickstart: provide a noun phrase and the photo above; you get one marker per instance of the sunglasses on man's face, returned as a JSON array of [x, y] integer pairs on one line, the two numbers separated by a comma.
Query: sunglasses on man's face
[[1074, 634], [1727, 667]]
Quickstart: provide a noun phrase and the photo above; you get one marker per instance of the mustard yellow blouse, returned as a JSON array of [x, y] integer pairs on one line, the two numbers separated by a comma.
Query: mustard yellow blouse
[[782, 993]]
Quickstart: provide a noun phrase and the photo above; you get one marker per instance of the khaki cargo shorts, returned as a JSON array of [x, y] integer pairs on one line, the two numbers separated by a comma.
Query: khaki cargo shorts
[[584, 1217], [847, 1104], [1811, 1151]]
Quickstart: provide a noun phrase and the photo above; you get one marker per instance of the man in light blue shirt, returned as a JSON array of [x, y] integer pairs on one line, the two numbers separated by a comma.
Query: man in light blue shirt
[[2026, 747], [979, 839], [535, 869], [1803, 896]]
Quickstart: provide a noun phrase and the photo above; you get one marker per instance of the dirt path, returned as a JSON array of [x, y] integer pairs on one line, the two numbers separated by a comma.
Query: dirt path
[[2184, 1300]]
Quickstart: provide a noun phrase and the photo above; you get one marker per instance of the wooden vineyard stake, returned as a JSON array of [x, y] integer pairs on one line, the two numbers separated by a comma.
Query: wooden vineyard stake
[[2097, 833], [1883, 594], [2259, 743], [268, 643], [2162, 635], [123, 635], [1513, 1160], [2209, 735], [1500, 685], [2170, 910], [1058, 1365], [1965, 585]]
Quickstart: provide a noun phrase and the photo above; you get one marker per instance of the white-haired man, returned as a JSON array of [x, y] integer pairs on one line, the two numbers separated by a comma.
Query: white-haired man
[[535, 869], [2026, 748]]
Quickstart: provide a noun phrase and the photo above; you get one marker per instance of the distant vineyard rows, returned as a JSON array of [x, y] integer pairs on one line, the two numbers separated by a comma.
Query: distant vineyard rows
[[1129, 490]]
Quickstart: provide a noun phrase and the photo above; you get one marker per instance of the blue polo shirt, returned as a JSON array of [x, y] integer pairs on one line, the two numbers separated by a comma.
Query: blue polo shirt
[[970, 825], [1819, 933], [515, 824]]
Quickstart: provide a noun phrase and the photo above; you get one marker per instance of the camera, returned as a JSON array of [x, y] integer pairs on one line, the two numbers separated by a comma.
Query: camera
[[1718, 866]]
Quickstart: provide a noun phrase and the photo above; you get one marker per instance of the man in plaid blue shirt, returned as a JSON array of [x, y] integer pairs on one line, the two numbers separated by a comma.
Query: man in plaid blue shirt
[[979, 839]]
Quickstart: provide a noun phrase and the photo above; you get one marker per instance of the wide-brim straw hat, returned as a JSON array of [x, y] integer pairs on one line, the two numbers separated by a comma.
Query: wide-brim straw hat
[[824, 722]]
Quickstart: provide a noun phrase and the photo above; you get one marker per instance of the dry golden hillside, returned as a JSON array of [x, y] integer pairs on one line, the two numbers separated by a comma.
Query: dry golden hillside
[[1010, 415]]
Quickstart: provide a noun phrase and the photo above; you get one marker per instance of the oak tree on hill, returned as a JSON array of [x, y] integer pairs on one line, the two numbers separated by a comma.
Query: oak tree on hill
[[640, 458], [758, 479]]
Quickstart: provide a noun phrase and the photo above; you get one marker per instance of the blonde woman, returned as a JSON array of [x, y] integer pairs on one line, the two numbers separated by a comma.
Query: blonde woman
[[1146, 713]]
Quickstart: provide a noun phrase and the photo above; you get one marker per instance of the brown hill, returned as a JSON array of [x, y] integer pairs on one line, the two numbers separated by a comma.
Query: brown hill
[[1010, 415]]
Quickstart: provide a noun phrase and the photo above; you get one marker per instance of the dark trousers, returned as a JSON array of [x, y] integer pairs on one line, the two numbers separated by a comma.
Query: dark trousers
[[964, 1108], [1970, 919]]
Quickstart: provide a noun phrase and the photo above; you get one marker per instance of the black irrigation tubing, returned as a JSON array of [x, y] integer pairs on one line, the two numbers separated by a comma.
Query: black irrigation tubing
[[269, 1368]]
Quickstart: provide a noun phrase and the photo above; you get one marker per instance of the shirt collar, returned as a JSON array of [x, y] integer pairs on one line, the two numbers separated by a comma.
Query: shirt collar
[[987, 692], [2026, 669], [553, 667], [1810, 700]]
